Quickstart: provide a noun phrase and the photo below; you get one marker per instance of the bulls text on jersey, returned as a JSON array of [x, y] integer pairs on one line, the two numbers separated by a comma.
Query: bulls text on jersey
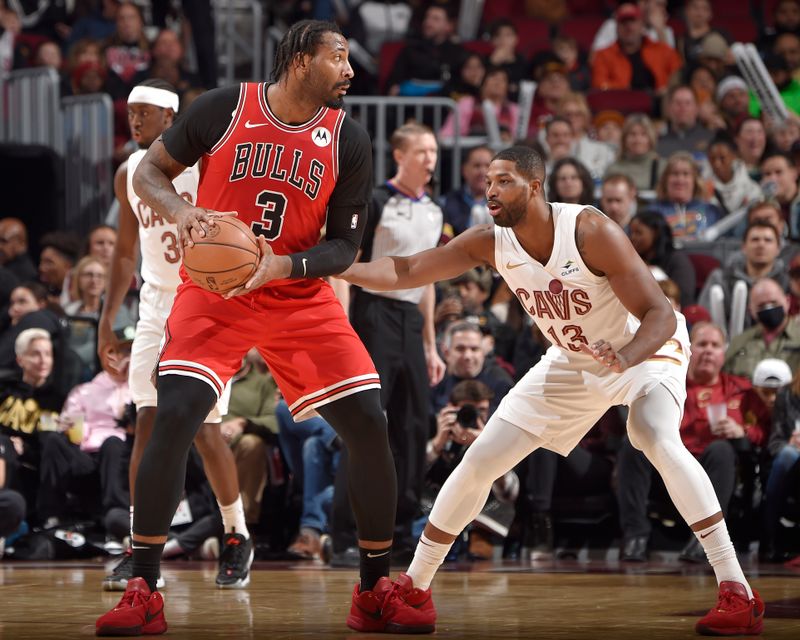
[[260, 159]]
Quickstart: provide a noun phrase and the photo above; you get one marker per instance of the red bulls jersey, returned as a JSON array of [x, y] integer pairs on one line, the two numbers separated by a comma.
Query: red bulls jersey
[[284, 180], [278, 177]]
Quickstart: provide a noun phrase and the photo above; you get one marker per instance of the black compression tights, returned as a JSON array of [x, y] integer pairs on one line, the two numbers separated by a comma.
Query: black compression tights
[[372, 483], [183, 404]]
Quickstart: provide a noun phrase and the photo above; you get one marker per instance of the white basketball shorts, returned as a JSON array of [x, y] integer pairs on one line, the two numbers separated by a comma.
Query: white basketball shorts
[[566, 393]]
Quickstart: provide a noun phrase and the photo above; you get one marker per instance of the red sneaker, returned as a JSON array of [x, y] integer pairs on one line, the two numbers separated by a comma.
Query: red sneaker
[[366, 612], [735, 613], [408, 609], [138, 613]]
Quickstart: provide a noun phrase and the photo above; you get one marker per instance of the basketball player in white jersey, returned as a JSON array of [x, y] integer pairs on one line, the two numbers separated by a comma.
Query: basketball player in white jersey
[[615, 340], [152, 105]]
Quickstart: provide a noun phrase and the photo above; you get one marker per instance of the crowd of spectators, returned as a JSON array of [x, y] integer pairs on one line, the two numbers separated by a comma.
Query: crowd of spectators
[[682, 149]]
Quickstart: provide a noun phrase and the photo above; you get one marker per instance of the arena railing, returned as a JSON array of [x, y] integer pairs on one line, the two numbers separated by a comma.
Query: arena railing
[[30, 108], [88, 124], [239, 33], [381, 115], [79, 129]]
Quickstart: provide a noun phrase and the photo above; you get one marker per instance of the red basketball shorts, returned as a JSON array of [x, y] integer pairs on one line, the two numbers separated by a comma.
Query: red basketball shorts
[[300, 330]]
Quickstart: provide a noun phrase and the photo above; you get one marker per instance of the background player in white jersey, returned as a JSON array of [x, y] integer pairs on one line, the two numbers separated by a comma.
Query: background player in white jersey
[[616, 340], [152, 105]]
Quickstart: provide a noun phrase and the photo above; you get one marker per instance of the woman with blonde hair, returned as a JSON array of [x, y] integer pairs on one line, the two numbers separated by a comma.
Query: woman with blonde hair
[[86, 288], [682, 199], [638, 158], [595, 156]]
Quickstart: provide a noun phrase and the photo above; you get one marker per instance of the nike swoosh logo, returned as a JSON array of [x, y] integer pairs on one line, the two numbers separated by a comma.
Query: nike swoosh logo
[[704, 536], [305, 265], [514, 266], [149, 617], [376, 555], [133, 546], [253, 125]]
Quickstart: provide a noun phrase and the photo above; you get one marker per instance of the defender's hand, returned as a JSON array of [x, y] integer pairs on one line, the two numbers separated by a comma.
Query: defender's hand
[[605, 354], [270, 267]]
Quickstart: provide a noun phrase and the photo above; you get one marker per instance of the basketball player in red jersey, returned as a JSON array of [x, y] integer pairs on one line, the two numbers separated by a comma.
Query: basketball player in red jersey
[[615, 340], [287, 159]]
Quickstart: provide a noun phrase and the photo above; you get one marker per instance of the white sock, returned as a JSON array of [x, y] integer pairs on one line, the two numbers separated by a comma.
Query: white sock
[[131, 513], [233, 518], [172, 548], [428, 557], [720, 553]]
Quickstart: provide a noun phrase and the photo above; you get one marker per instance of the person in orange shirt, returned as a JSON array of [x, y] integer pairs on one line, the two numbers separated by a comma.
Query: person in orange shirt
[[634, 61]]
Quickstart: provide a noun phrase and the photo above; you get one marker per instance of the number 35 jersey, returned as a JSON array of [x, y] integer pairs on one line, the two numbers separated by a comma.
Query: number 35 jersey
[[158, 238], [570, 304]]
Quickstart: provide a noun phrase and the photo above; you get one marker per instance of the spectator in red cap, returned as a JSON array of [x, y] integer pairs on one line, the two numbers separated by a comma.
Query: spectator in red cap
[[655, 17], [634, 61]]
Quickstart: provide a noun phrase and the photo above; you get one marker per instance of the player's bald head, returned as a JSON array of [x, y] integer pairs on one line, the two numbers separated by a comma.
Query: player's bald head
[[14, 227], [528, 161]]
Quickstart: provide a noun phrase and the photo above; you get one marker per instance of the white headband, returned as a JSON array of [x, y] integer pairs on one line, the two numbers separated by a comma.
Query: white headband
[[151, 95]]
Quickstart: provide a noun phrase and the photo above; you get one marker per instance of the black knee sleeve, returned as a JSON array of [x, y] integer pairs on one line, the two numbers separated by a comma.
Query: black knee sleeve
[[361, 424], [183, 404]]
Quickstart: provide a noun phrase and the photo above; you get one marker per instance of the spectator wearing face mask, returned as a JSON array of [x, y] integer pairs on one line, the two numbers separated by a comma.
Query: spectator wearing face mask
[[757, 259], [775, 334]]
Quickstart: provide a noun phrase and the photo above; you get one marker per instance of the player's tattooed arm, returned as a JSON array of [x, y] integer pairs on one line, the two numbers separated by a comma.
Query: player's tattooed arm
[[152, 182]]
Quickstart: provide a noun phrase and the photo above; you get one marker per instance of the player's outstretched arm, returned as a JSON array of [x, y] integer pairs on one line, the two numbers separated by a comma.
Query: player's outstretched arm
[[470, 249], [607, 251]]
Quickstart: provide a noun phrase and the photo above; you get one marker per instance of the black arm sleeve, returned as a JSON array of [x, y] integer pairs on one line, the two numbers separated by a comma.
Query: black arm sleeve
[[195, 132], [347, 209]]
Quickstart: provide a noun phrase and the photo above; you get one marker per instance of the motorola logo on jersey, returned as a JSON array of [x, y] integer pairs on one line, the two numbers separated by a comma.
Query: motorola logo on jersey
[[266, 159], [321, 137]]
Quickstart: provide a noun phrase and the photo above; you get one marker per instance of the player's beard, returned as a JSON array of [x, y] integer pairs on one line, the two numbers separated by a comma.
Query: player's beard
[[337, 103], [511, 213]]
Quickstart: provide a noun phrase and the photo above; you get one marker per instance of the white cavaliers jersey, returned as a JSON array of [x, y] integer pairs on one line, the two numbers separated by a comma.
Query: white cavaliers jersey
[[158, 238], [570, 304]]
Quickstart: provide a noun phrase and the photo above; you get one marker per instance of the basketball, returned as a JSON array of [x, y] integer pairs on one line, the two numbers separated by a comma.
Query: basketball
[[225, 258]]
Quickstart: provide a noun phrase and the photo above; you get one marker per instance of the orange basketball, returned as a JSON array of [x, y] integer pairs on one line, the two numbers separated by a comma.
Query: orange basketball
[[225, 258]]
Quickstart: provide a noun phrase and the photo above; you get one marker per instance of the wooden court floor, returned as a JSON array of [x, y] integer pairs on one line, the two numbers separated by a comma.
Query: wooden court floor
[[61, 600]]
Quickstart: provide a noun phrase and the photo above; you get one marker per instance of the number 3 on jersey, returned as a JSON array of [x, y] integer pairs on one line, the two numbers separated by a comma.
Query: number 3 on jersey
[[273, 208]]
